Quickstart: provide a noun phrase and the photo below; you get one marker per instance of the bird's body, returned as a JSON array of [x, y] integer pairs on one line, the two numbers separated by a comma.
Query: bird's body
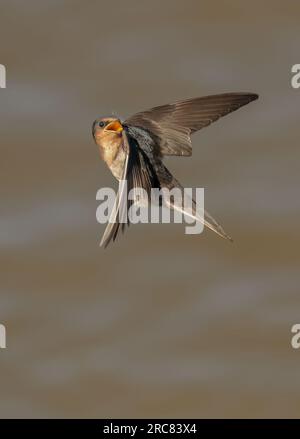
[[133, 150]]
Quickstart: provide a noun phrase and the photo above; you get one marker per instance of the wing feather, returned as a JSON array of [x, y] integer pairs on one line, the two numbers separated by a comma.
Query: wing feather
[[138, 173], [173, 124]]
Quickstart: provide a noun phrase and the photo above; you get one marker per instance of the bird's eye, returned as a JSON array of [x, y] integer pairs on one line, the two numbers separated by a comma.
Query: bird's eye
[[101, 124]]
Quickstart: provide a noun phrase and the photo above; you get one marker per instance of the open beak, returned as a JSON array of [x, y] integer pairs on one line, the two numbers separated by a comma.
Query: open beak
[[115, 126]]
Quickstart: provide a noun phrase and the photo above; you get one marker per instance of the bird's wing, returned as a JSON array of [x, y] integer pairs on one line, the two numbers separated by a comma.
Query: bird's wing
[[117, 214], [173, 124], [138, 173]]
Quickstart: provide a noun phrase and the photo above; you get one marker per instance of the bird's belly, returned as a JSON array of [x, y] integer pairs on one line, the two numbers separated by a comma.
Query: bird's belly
[[117, 165]]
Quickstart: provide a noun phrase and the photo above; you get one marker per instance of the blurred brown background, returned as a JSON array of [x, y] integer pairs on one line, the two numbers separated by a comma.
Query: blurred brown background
[[161, 324]]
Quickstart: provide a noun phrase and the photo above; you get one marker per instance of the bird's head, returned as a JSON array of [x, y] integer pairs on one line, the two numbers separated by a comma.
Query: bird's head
[[107, 128], [107, 132]]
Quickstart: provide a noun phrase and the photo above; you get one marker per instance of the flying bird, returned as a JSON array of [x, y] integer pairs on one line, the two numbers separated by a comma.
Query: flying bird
[[134, 149]]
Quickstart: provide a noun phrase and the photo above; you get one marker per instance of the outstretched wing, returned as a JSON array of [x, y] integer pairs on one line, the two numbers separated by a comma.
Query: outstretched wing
[[138, 173], [173, 124]]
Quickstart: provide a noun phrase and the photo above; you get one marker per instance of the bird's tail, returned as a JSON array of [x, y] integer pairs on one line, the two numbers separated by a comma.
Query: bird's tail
[[195, 212], [213, 225]]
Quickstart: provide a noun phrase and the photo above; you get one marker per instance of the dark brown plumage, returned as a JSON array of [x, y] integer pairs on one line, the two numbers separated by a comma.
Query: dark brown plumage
[[173, 124]]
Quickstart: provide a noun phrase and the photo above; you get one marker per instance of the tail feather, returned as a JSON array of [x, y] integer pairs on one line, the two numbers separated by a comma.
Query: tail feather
[[168, 181], [204, 218], [213, 225]]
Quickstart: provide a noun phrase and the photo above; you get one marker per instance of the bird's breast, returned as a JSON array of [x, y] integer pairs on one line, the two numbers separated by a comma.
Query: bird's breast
[[117, 165], [113, 154]]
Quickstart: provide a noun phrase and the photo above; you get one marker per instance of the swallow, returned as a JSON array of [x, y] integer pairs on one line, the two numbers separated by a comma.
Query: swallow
[[134, 149]]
